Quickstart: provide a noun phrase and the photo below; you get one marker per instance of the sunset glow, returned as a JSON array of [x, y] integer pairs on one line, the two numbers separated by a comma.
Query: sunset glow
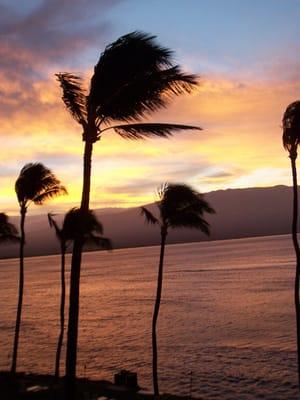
[[245, 84]]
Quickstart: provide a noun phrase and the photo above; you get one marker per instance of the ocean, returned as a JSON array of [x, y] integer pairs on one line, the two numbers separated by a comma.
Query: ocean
[[226, 327]]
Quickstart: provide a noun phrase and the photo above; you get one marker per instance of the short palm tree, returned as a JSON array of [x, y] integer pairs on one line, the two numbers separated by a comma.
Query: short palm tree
[[133, 78], [35, 184], [63, 248], [291, 140], [179, 206], [93, 231], [8, 232]]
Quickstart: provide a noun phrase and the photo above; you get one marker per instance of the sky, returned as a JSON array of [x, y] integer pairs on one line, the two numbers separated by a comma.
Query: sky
[[246, 54]]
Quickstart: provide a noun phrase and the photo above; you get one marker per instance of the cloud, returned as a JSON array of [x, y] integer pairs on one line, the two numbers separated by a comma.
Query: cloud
[[7, 170], [55, 28], [240, 142], [240, 145], [39, 41], [219, 174]]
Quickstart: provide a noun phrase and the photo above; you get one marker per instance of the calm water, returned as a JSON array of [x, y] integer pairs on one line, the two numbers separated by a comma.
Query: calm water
[[226, 315]]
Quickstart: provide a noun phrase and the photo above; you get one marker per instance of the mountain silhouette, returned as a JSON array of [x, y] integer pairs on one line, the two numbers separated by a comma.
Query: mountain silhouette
[[239, 213]]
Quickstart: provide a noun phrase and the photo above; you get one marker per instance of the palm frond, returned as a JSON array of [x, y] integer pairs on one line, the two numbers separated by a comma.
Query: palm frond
[[149, 217], [182, 206], [161, 190], [77, 224], [53, 224], [98, 241], [145, 94], [4, 220], [8, 232], [72, 224], [74, 96], [291, 126], [189, 220], [37, 183], [180, 195], [49, 194], [94, 224], [9, 238], [142, 131], [135, 76], [198, 205]]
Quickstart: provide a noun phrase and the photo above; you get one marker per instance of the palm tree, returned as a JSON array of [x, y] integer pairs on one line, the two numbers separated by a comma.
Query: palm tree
[[291, 139], [67, 234], [35, 184], [63, 248], [133, 78], [8, 232], [179, 206]]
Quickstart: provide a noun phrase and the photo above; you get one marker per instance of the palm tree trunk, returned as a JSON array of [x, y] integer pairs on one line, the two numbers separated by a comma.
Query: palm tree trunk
[[71, 357], [21, 289], [87, 169], [62, 310], [156, 311], [293, 157]]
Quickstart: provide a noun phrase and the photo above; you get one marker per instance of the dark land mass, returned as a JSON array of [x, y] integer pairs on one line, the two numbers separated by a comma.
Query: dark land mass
[[239, 213], [47, 387]]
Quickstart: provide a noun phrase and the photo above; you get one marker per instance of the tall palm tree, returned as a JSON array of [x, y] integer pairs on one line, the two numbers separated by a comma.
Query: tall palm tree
[[66, 235], [291, 140], [8, 232], [35, 184], [179, 206], [133, 78]]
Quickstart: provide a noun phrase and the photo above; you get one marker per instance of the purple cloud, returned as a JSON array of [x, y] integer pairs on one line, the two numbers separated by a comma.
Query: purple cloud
[[56, 28]]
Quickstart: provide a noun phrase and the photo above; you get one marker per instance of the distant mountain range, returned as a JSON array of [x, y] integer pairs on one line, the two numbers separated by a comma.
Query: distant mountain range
[[239, 213]]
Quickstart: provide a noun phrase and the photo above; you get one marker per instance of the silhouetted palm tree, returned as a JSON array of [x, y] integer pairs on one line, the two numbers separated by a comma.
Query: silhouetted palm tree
[[66, 235], [35, 184], [8, 232], [63, 248], [291, 140], [179, 206], [133, 77]]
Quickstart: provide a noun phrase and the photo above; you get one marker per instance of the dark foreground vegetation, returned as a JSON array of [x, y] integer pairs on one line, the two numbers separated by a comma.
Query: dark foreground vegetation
[[48, 387]]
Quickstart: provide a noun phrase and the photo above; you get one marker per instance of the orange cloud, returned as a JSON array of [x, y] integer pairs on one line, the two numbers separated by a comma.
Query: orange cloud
[[240, 145]]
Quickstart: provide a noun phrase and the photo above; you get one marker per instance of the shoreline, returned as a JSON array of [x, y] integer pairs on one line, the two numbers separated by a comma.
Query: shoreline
[[24, 385], [205, 242]]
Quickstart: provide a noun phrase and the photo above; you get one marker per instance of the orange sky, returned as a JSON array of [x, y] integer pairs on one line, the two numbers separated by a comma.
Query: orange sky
[[240, 145], [240, 113]]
